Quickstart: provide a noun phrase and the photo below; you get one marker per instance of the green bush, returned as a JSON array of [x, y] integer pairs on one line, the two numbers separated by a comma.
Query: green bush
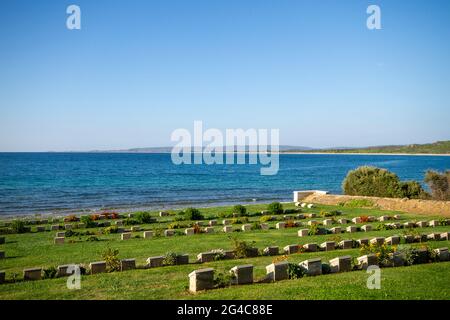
[[110, 256], [144, 217], [275, 208], [170, 259], [376, 182], [439, 184], [130, 222], [18, 226], [295, 271], [240, 248], [192, 214], [111, 229], [240, 210], [50, 273], [88, 221], [222, 280], [264, 219]]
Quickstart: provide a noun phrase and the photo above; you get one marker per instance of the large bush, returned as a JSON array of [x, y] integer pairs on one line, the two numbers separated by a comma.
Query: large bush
[[143, 217], [239, 210], [376, 182], [275, 208], [439, 184], [192, 214]]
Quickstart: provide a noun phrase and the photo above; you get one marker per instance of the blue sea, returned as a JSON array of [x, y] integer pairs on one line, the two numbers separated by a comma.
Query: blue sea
[[33, 183]]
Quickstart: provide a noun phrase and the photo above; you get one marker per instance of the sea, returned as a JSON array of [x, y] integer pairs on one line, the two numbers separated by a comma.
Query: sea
[[61, 183]]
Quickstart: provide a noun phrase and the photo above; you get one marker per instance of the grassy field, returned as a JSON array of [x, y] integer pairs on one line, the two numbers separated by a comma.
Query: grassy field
[[27, 250]]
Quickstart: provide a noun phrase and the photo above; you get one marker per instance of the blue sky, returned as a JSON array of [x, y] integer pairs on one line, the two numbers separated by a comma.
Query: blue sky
[[137, 70]]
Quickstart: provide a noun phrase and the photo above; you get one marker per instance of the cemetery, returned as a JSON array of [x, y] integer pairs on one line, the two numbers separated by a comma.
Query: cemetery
[[221, 253]]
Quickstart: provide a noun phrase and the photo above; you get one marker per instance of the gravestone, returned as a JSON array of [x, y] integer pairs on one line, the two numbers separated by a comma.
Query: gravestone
[[206, 257], [328, 245], [59, 240], [63, 270], [356, 220], [291, 249], [164, 214], [226, 222], [409, 225], [409, 238], [303, 233], [341, 264], [433, 223], [313, 267], [127, 264], [300, 216], [125, 236], [182, 259], [97, 267], [271, 251], [422, 224], [277, 271], [40, 228], [442, 254], [229, 254], [393, 240], [202, 279], [135, 228], [363, 242], [169, 233], [148, 234], [445, 236], [32, 274], [434, 236], [242, 274], [310, 247], [60, 234], [119, 223], [327, 222], [367, 260], [351, 229], [346, 244], [209, 230], [246, 227], [377, 240], [366, 228], [312, 215], [343, 221], [212, 222], [280, 225], [154, 262], [227, 229], [336, 230], [383, 218], [54, 227], [264, 226], [252, 252], [68, 226], [189, 231]]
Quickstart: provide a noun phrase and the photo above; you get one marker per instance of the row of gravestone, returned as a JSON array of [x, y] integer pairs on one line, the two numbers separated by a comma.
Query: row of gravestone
[[203, 279], [158, 261]]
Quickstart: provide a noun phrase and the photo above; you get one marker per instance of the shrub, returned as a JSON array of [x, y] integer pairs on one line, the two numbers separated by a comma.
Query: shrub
[[381, 251], [358, 203], [176, 225], [376, 182], [18, 226], [223, 280], [226, 214], [143, 217], [71, 218], [364, 219], [240, 210], [110, 256], [241, 248], [256, 226], [219, 254], [50, 273], [313, 230], [170, 259], [88, 221], [295, 271], [92, 239], [111, 229], [264, 219], [193, 214], [130, 222], [275, 208], [439, 184]]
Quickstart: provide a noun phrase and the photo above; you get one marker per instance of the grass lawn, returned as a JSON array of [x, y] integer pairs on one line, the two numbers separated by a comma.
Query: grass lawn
[[430, 281]]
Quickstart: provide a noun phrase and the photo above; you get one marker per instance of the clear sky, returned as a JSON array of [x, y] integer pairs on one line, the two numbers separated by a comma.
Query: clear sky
[[137, 70]]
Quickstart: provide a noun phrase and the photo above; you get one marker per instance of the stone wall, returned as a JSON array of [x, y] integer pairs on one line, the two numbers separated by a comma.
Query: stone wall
[[406, 205]]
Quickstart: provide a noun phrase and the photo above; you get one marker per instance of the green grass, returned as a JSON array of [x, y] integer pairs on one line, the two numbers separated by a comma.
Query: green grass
[[37, 250]]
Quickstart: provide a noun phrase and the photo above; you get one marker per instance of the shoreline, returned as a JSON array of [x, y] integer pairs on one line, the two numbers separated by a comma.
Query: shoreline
[[371, 154]]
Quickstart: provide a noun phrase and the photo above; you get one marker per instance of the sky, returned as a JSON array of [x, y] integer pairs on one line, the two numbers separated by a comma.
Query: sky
[[140, 69]]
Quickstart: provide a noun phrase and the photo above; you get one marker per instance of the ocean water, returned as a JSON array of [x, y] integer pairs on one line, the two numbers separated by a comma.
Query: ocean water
[[70, 182]]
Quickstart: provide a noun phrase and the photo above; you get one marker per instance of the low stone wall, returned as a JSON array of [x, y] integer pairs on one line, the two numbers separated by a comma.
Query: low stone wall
[[406, 205]]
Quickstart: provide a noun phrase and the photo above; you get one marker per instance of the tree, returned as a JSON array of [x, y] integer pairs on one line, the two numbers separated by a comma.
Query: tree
[[439, 184], [376, 182]]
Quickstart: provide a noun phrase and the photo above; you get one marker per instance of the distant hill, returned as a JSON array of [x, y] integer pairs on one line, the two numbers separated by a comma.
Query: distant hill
[[439, 147], [283, 148]]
